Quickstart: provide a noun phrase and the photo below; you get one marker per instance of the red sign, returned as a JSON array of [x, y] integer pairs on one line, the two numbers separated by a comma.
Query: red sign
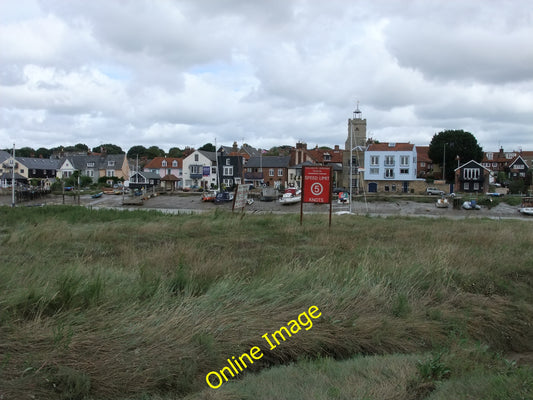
[[317, 185]]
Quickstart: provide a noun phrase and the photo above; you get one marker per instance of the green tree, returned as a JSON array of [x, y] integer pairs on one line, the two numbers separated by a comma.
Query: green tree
[[175, 152], [154, 151], [454, 143], [25, 152], [43, 152], [208, 147], [138, 150], [108, 148]]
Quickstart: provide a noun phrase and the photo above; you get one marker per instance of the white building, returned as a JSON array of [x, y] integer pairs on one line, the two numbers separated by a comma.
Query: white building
[[199, 170], [390, 167]]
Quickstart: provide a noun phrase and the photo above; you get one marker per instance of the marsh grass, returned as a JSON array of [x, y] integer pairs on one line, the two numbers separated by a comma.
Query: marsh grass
[[120, 305]]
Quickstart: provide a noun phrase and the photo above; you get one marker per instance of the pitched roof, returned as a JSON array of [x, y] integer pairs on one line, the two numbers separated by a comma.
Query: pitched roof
[[390, 147], [4, 155], [100, 161], [158, 162], [148, 175], [39, 163], [468, 164], [211, 155], [518, 157], [170, 177], [269, 162], [320, 155]]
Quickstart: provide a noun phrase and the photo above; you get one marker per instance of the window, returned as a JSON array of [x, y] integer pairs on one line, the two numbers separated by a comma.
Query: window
[[195, 169], [280, 171], [476, 186], [110, 163], [248, 169], [386, 188], [489, 156], [214, 170], [389, 173], [196, 157], [21, 171], [517, 166], [110, 173], [228, 182], [404, 160], [389, 160], [271, 172], [34, 171], [471, 173], [522, 174], [90, 164], [89, 172], [228, 171], [228, 161], [164, 163], [393, 188], [494, 165], [404, 170], [169, 171], [174, 164], [374, 171], [374, 160], [466, 186], [422, 164], [327, 157], [237, 181]]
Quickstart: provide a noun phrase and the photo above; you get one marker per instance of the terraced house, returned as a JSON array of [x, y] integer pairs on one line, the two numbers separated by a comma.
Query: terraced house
[[95, 166]]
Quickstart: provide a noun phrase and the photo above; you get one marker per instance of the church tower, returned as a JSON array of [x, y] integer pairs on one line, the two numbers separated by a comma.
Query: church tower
[[357, 130]]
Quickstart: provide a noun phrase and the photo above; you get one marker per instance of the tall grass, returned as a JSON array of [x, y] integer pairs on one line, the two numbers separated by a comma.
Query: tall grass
[[109, 304]]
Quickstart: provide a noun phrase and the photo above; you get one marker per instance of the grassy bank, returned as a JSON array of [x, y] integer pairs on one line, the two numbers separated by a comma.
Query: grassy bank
[[140, 305]]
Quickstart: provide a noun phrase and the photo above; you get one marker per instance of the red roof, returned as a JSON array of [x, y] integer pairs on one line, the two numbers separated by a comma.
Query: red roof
[[422, 154], [158, 162], [391, 147], [319, 155]]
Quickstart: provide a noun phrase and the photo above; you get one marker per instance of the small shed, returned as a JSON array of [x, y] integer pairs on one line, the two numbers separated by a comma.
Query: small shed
[[170, 182]]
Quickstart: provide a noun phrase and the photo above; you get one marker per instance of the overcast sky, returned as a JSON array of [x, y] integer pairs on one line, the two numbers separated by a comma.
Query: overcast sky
[[266, 72]]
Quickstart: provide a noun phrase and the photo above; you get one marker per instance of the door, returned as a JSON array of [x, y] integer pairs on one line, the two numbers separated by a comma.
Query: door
[[372, 187]]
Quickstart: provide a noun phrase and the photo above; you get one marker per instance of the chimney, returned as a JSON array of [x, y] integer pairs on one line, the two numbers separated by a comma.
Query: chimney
[[337, 147]]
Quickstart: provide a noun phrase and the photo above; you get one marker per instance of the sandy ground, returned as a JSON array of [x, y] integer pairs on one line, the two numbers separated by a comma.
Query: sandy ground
[[192, 203]]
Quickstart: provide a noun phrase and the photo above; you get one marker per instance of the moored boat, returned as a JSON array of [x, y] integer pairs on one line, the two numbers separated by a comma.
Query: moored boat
[[442, 203], [291, 196], [527, 206]]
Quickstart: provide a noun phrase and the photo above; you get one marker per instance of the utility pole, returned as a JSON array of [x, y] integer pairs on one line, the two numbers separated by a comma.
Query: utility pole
[[13, 180]]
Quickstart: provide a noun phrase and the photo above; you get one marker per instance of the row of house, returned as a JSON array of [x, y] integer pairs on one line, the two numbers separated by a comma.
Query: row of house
[[46, 171], [362, 164]]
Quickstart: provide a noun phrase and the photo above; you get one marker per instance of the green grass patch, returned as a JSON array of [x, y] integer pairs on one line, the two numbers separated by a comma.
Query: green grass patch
[[128, 305]]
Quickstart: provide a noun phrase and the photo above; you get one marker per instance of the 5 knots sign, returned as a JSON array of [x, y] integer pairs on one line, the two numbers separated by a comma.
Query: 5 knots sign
[[316, 187]]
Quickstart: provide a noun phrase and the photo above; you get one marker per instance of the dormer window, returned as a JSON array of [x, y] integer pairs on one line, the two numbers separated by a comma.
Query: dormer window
[[110, 163], [164, 163], [175, 164], [90, 165], [327, 157], [228, 161]]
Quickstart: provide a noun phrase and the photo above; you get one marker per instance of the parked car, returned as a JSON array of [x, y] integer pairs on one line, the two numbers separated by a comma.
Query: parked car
[[434, 190], [338, 190]]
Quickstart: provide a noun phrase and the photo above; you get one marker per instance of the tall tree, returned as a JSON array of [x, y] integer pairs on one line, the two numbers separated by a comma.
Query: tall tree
[[137, 150], [175, 152], [208, 147], [108, 148], [452, 144], [43, 152], [154, 151], [25, 152]]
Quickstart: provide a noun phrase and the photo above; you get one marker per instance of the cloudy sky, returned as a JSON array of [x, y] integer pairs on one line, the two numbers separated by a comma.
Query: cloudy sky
[[270, 72]]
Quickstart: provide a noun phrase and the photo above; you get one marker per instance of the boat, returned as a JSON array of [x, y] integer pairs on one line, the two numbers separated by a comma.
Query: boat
[[210, 195], [291, 196], [223, 197], [97, 195], [471, 205], [442, 203], [527, 206]]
